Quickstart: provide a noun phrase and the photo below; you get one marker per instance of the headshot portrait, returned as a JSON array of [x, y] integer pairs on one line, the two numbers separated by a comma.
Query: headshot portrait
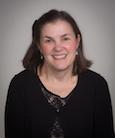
[[57, 73]]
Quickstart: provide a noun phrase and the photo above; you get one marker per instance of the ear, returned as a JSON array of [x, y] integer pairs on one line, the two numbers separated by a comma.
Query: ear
[[78, 41]]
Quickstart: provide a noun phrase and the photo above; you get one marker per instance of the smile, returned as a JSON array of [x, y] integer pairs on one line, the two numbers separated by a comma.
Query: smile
[[63, 56]]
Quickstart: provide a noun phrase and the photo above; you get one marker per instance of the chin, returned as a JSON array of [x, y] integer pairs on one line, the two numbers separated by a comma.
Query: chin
[[62, 68]]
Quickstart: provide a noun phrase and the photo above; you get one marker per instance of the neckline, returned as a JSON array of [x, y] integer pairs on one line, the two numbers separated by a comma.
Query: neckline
[[63, 98], [75, 92]]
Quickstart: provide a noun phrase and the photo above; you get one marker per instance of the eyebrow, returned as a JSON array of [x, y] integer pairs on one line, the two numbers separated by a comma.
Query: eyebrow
[[50, 37]]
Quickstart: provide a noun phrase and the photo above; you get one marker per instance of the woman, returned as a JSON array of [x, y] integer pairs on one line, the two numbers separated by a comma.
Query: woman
[[57, 96]]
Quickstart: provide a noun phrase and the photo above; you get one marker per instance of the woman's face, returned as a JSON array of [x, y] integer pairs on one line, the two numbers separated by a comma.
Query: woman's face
[[58, 45]]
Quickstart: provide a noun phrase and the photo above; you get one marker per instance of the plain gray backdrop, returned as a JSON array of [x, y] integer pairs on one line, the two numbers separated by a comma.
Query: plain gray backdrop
[[96, 19]]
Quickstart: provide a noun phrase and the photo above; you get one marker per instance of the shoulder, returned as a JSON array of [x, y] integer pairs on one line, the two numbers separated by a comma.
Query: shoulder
[[23, 77], [24, 73], [93, 78], [95, 82]]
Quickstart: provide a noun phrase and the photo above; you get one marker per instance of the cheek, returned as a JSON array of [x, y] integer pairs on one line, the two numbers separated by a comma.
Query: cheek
[[72, 47], [45, 50]]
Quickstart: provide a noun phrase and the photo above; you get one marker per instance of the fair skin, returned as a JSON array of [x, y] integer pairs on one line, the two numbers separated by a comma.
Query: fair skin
[[58, 45]]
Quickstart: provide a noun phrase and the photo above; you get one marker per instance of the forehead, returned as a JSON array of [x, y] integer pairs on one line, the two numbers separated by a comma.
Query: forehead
[[57, 27]]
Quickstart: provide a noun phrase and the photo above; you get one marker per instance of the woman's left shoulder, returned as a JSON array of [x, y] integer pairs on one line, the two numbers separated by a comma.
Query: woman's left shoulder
[[94, 77]]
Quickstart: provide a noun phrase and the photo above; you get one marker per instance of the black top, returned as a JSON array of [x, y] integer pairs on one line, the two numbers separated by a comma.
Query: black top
[[86, 114], [57, 102]]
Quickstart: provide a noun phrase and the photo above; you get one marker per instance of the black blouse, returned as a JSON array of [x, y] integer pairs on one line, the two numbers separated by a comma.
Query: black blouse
[[57, 102], [34, 112]]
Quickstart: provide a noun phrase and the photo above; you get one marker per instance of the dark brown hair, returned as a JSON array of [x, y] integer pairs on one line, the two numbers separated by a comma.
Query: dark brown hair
[[32, 58]]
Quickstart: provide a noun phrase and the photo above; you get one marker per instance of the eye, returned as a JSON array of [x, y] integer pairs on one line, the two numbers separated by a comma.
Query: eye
[[66, 38], [47, 40]]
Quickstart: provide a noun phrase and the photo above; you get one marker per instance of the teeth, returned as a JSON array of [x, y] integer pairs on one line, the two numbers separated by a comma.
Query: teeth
[[59, 56]]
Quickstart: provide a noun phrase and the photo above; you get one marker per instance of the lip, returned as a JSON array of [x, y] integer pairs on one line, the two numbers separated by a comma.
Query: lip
[[61, 56]]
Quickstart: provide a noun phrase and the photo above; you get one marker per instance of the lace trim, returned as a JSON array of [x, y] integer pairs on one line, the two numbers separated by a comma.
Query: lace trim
[[57, 102]]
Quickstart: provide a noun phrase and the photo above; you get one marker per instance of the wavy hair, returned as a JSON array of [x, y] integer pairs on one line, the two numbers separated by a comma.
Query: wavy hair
[[32, 58]]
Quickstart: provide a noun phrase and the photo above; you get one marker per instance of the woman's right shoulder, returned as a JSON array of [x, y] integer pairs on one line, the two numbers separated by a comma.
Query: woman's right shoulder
[[22, 77]]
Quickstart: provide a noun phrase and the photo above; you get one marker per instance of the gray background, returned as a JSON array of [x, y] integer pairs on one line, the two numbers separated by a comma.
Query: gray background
[[96, 19]]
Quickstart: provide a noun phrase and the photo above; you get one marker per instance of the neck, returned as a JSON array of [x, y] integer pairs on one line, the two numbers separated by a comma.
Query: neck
[[54, 75]]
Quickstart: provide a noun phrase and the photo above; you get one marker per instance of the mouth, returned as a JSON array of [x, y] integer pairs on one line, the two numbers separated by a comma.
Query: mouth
[[57, 57]]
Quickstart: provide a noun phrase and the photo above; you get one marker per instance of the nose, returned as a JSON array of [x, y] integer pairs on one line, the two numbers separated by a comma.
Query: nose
[[58, 46]]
